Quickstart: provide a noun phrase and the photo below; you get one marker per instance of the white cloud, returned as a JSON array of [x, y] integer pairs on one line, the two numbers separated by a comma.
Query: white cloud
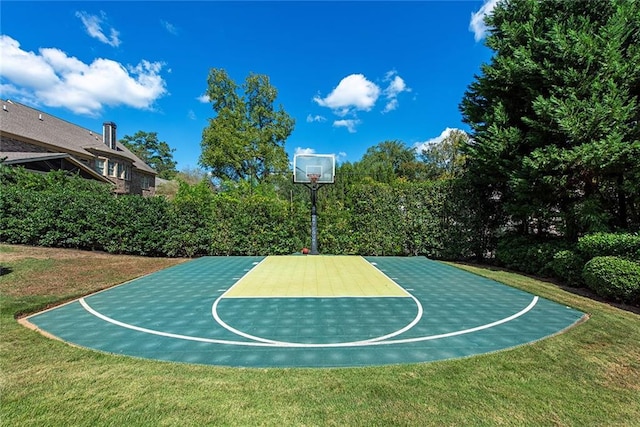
[[191, 115], [356, 93], [25, 68], [169, 27], [300, 150], [349, 124], [423, 145], [316, 118], [396, 87], [477, 25], [391, 105], [93, 26], [353, 93], [203, 98], [53, 78]]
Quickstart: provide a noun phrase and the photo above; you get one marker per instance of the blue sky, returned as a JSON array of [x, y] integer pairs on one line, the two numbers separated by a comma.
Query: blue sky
[[351, 74]]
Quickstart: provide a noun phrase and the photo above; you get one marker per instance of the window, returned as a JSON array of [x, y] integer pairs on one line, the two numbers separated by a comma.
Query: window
[[125, 171], [146, 181], [100, 166], [112, 168]]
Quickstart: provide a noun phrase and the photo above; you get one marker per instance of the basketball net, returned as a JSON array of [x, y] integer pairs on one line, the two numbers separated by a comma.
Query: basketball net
[[313, 178]]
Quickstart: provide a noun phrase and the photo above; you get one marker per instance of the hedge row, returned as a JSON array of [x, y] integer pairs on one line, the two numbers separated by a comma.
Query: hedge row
[[368, 219], [622, 245], [529, 254], [61, 211], [606, 263], [614, 278]]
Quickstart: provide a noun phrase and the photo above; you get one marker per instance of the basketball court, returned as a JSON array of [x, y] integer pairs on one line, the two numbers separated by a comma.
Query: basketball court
[[306, 311]]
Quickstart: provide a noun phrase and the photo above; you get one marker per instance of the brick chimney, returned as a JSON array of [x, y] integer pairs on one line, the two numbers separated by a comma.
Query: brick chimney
[[109, 134]]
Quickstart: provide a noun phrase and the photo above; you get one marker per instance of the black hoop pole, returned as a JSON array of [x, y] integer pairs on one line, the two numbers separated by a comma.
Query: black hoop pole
[[314, 217]]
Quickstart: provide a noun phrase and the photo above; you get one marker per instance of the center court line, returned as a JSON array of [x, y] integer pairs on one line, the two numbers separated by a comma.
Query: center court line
[[89, 309]]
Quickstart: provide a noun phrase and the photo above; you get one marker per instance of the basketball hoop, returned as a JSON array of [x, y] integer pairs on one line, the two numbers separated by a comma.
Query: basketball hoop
[[313, 178], [314, 171]]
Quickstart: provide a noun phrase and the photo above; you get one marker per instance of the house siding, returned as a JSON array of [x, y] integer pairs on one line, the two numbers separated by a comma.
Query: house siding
[[138, 184]]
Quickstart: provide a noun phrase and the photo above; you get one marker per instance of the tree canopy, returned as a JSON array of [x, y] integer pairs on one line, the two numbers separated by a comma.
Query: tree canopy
[[245, 140], [444, 159], [555, 115], [153, 152], [391, 160]]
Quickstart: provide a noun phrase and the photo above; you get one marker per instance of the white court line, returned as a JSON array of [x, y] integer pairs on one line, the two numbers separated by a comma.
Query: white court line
[[467, 331], [225, 325], [214, 312], [248, 271], [329, 345]]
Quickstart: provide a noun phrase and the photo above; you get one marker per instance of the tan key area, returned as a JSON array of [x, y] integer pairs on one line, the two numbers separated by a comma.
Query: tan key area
[[315, 276]]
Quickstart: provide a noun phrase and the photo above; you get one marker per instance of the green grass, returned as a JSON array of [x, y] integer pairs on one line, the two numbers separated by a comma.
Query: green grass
[[587, 376]]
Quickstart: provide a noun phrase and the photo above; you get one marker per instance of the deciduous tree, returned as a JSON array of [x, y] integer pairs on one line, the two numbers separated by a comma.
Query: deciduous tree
[[444, 159], [389, 160], [245, 140]]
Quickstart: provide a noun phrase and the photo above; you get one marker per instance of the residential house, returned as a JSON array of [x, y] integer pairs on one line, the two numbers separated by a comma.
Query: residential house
[[41, 142]]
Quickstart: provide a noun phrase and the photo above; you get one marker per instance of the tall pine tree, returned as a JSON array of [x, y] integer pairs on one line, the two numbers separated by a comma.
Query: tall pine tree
[[555, 116]]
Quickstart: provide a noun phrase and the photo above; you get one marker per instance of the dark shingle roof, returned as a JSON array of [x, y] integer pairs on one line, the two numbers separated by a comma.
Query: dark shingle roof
[[30, 159], [26, 122]]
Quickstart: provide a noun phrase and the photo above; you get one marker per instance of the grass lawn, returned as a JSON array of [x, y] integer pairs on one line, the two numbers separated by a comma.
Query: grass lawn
[[588, 376]]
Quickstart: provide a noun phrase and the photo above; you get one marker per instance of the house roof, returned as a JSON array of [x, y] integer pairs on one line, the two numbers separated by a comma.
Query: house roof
[[25, 122], [41, 162]]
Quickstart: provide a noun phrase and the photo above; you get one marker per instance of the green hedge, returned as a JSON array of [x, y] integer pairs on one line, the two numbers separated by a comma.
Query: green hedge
[[135, 225], [254, 225], [614, 278], [365, 218], [52, 209], [567, 265], [529, 254], [622, 245], [190, 219], [376, 220]]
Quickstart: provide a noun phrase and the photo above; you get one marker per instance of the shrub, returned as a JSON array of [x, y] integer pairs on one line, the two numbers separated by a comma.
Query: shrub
[[51, 210], [334, 229], [613, 278], [136, 225], [376, 220], [567, 266], [529, 254], [623, 245], [190, 221], [253, 225]]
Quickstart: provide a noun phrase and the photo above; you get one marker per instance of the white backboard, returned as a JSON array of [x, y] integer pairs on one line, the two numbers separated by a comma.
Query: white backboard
[[307, 165]]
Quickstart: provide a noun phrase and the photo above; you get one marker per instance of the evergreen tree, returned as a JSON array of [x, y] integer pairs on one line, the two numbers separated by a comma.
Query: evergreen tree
[[153, 152], [555, 115]]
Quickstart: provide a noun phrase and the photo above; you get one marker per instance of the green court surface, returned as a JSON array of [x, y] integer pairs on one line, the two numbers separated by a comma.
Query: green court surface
[[306, 311]]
